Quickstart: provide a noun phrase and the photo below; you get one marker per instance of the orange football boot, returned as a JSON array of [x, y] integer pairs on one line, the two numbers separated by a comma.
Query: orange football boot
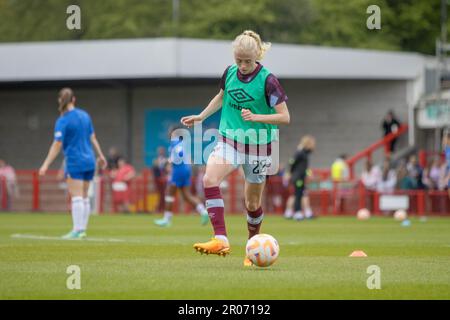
[[247, 262], [214, 246]]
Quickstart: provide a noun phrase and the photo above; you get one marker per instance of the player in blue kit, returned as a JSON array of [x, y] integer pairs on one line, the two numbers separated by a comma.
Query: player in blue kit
[[180, 178], [74, 133]]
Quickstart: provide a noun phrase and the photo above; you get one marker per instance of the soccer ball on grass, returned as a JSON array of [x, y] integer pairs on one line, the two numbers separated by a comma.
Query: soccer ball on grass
[[400, 215], [363, 214], [262, 250]]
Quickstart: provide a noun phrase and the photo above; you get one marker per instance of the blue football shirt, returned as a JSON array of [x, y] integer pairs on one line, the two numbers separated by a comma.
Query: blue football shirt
[[74, 129], [178, 154]]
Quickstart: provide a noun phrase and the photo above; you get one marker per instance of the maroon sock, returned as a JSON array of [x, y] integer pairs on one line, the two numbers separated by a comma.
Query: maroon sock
[[254, 220], [214, 205]]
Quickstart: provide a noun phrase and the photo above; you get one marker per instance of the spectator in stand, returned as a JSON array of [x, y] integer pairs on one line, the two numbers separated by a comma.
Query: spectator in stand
[[160, 176], [339, 169], [388, 179], [122, 177], [443, 182], [431, 175], [390, 124], [113, 158], [370, 176], [8, 175], [415, 171], [404, 181]]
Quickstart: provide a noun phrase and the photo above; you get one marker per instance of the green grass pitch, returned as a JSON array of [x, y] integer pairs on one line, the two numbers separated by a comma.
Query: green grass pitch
[[127, 257]]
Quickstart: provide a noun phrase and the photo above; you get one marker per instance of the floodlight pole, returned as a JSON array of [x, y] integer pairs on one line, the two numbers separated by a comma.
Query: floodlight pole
[[441, 46], [175, 17]]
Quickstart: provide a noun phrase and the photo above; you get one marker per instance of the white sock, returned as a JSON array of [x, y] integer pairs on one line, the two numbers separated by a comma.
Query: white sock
[[222, 237], [168, 215], [77, 213], [86, 212], [289, 213], [298, 215], [308, 213], [201, 209]]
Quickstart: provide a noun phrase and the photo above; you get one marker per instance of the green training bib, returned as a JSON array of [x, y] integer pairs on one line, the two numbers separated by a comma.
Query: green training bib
[[240, 95]]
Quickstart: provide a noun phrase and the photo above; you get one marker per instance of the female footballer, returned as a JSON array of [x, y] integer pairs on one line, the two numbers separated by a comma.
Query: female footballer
[[74, 133], [180, 178], [252, 101], [297, 176]]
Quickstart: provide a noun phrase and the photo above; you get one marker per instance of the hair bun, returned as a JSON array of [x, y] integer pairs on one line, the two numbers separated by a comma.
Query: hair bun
[[242, 42]]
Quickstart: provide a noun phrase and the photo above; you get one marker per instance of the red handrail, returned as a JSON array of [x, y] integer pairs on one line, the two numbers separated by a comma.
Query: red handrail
[[366, 153]]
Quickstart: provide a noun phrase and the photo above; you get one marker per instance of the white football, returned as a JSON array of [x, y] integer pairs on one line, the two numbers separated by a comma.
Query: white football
[[363, 214], [400, 215], [262, 250]]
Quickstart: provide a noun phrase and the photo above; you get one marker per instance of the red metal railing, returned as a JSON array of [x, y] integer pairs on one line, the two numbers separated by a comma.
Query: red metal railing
[[3, 194], [36, 191], [346, 197], [366, 153]]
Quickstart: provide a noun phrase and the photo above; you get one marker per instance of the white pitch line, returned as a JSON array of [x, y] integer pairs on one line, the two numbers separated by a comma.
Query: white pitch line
[[30, 236]]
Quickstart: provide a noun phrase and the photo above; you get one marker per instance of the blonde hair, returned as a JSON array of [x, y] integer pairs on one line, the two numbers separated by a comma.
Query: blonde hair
[[65, 97], [251, 41], [306, 142]]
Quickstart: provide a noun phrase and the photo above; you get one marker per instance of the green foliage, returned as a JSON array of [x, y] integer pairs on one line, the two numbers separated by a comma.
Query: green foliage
[[279, 21], [410, 25], [343, 23], [416, 24], [37, 20]]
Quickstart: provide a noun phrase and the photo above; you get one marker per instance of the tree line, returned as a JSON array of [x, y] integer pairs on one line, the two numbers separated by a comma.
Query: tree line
[[406, 25]]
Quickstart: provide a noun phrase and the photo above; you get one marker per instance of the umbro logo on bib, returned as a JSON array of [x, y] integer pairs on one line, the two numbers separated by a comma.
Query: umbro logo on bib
[[240, 96]]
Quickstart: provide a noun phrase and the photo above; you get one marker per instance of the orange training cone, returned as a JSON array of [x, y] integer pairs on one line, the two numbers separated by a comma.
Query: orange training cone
[[358, 254]]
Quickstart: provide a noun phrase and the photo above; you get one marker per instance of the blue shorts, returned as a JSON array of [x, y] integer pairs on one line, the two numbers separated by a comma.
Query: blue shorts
[[181, 177], [77, 175]]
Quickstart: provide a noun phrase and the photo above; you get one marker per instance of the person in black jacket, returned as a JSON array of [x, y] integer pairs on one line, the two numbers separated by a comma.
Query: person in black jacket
[[390, 125], [297, 174]]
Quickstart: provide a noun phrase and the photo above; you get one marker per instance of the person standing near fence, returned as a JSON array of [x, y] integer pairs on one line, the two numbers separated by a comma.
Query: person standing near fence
[[121, 185], [298, 173], [339, 169], [74, 133]]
